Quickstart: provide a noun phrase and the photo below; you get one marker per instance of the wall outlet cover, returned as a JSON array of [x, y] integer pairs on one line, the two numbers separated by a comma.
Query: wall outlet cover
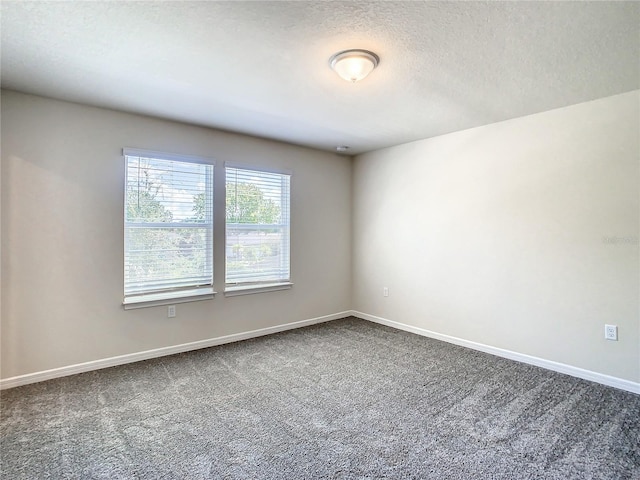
[[611, 332]]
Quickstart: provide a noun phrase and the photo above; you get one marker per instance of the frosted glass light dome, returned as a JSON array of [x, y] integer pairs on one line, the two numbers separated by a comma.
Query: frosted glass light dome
[[354, 65]]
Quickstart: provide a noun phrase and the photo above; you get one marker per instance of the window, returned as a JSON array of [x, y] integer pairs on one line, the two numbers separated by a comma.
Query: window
[[257, 229], [168, 228]]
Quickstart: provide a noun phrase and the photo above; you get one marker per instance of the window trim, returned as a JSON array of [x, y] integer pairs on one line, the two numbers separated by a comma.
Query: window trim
[[168, 297], [250, 289]]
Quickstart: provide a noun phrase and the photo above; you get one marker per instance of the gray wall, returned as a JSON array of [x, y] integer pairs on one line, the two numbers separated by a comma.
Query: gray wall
[[522, 235], [62, 236]]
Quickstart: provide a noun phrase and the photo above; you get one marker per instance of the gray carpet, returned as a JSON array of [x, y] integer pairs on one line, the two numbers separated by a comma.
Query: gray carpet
[[345, 399]]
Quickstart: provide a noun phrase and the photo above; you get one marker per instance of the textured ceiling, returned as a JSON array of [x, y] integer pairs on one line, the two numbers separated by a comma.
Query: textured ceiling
[[262, 67]]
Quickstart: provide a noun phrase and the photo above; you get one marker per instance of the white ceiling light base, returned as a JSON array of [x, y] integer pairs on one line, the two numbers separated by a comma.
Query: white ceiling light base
[[354, 65]]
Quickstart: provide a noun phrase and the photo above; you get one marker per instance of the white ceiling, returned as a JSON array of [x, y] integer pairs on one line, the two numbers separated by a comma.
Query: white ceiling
[[261, 68]]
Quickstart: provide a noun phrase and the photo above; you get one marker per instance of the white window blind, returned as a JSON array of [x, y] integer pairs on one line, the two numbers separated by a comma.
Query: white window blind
[[257, 226], [168, 226]]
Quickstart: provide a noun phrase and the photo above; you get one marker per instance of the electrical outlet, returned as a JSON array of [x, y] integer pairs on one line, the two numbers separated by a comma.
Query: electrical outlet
[[171, 311], [611, 332], [385, 291]]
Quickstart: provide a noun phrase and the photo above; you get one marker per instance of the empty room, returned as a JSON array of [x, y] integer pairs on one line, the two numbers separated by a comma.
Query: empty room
[[332, 239]]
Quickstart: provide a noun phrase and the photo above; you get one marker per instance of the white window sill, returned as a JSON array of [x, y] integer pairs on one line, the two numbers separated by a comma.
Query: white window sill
[[168, 298], [234, 291]]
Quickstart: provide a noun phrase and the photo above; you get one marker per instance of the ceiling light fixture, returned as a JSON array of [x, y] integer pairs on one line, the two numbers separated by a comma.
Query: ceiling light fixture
[[354, 65]]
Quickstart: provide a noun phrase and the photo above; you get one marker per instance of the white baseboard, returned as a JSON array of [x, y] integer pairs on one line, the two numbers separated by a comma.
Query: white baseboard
[[185, 347], [608, 380], [159, 352]]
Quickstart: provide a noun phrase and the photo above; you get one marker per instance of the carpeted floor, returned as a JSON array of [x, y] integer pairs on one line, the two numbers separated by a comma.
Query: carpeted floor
[[344, 399]]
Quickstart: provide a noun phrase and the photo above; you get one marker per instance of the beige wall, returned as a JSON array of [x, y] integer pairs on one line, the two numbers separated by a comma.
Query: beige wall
[[496, 235], [62, 236]]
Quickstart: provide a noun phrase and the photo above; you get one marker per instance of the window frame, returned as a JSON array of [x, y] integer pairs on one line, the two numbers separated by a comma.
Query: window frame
[[176, 293], [252, 287]]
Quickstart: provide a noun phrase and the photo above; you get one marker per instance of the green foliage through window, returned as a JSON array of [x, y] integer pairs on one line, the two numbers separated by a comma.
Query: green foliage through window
[[246, 203]]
